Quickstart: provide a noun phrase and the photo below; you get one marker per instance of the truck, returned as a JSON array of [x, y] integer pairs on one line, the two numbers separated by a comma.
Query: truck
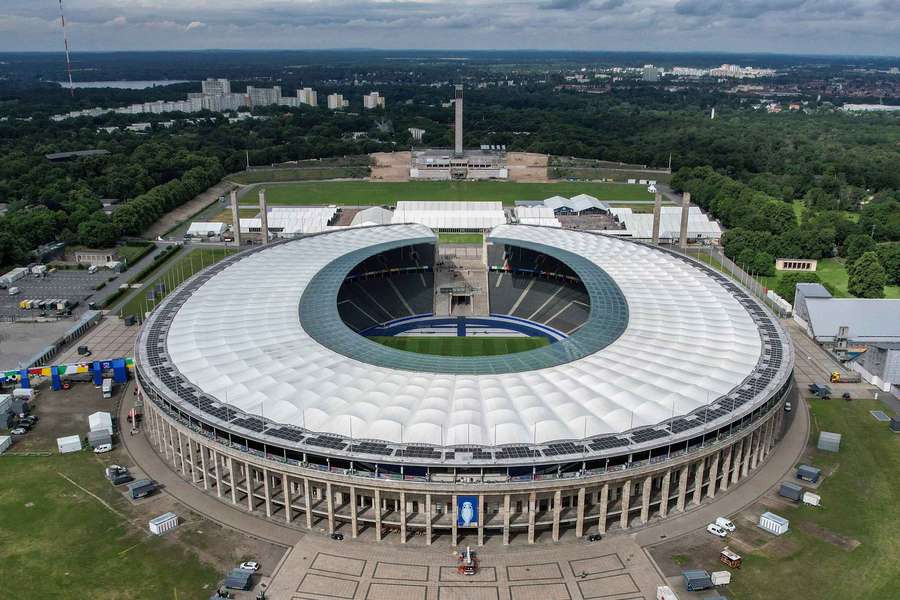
[[141, 488], [694, 581], [107, 387], [13, 275], [118, 475]]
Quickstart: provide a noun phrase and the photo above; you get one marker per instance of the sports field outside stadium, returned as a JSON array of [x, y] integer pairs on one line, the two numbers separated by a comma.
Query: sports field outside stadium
[[462, 346], [389, 193]]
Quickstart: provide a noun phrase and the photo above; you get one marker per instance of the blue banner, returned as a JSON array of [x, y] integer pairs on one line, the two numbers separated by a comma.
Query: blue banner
[[467, 511]]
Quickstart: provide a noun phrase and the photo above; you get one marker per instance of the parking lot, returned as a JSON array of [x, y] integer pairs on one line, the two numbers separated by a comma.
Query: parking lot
[[73, 285]]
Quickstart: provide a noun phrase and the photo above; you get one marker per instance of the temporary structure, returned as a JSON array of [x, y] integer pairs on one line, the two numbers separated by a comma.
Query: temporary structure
[[773, 523], [101, 421], [67, 444], [829, 442]]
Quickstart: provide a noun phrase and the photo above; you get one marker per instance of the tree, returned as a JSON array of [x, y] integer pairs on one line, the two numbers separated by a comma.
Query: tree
[[889, 257], [856, 245], [787, 284], [866, 277]]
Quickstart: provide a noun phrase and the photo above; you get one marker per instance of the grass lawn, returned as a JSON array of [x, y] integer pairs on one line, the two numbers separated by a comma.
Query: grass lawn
[[462, 346], [377, 193], [172, 275], [57, 541], [460, 238], [860, 501], [133, 253]]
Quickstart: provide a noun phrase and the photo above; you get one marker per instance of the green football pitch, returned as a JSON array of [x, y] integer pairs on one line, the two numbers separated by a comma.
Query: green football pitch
[[363, 193], [462, 346]]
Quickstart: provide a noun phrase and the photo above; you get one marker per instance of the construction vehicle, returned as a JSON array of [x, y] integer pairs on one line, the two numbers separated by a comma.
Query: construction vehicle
[[852, 377], [468, 563]]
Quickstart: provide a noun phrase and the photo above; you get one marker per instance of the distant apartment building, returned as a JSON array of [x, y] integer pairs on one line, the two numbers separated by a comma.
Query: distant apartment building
[[373, 100], [215, 87], [337, 102], [650, 73], [263, 96], [308, 96]]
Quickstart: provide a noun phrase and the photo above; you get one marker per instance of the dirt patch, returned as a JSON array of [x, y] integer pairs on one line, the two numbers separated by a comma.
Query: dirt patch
[[826, 535], [781, 547], [390, 166], [698, 550], [527, 166]]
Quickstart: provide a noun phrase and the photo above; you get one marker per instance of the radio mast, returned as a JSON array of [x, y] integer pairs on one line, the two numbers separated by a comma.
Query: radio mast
[[62, 19]]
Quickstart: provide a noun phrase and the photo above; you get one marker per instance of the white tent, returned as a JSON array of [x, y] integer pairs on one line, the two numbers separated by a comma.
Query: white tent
[[374, 215], [451, 216], [205, 229], [101, 421], [640, 225], [536, 215], [68, 444], [292, 220]]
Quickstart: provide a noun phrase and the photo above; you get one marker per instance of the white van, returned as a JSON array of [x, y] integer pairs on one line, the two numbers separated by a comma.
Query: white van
[[725, 524], [102, 448], [92, 269], [13, 291]]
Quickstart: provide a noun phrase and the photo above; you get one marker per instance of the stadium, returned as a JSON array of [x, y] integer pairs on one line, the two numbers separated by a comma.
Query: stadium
[[637, 383]]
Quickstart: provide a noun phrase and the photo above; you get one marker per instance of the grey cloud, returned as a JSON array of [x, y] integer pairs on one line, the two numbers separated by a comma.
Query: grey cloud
[[564, 4], [742, 9]]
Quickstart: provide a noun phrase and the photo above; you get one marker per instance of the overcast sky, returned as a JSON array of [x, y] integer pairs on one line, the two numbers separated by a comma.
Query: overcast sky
[[789, 26]]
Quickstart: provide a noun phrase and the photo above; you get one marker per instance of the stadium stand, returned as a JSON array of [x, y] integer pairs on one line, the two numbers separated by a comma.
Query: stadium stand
[[533, 286]]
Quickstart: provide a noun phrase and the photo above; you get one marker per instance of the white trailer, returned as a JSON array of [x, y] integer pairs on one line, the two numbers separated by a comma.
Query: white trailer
[[664, 592], [107, 387], [13, 275], [68, 444], [812, 499], [163, 523], [720, 577], [773, 523]]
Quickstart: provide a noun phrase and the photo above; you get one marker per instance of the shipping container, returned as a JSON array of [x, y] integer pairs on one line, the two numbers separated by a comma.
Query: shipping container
[[163, 523], [107, 387], [141, 488], [13, 275], [696, 580], [829, 441], [773, 523], [791, 490], [812, 499], [808, 473], [721, 577]]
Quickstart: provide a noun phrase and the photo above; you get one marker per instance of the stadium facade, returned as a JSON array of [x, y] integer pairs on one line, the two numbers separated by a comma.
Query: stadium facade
[[664, 386]]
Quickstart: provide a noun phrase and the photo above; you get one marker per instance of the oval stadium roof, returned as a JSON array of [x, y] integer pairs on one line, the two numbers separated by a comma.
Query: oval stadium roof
[[240, 338]]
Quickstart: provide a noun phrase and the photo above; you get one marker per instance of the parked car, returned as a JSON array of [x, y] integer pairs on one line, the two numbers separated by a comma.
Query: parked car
[[337, 536], [788, 407], [249, 566], [595, 537], [19, 431], [716, 530], [102, 448], [725, 524]]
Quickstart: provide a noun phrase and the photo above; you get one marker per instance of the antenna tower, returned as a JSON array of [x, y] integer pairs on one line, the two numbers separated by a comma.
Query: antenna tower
[[62, 19]]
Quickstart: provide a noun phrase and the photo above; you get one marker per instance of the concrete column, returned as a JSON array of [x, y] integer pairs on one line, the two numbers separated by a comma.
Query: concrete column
[[748, 448], [330, 505], [354, 516], [181, 454], [698, 481], [738, 460], [250, 486], [308, 504], [157, 420], [263, 217], [713, 471], [682, 488], [429, 517], [267, 490], [664, 495], [191, 459], [288, 501], [604, 507], [626, 504], [645, 499], [685, 209], [532, 508], [204, 467], [402, 517], [481, 513], [453, 528], [657, 209], [174, 447], [579, 518], [233, 481], [458, 121], [506, 520], [377, 506], [726, 466], [236, 218], [757, 443], [218, 472], [557, 507]]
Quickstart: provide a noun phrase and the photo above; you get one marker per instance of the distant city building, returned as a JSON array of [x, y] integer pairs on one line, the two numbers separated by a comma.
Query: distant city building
[[215, 87], [650, 73], [337, 102], [870, 108], [373, 100], [263, 96], [416, 133], [308, 96]]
